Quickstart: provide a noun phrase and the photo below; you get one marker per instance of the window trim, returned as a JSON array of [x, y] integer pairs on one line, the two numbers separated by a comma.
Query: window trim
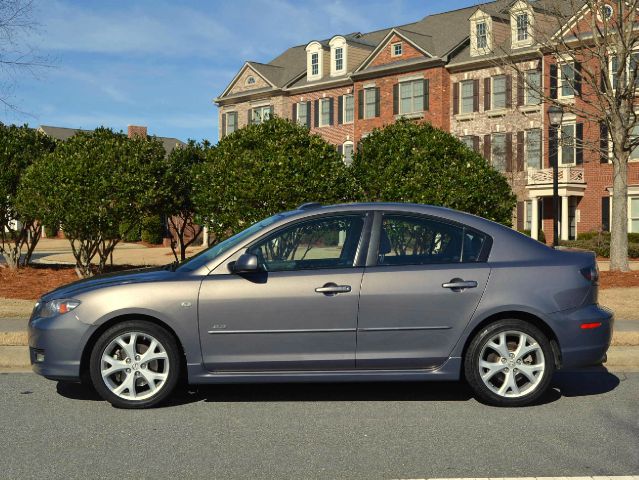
[[394, 46], [299, 118], [560, 81], [541, 148], [348, 143], [492, 151], [630, 217], [339, 49], [235, 115], [314, 56], [483, 36], [411, 81], [527, 88], [471, 82], [250, 80], [323, 101], [367, 91], [261, 108], [373, 247], [344, 121], [560, 150], [493, 108], [518, 27]]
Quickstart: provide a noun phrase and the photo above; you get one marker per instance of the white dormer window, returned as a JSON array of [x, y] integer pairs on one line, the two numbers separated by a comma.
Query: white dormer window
[[521, 24], [482, 36], [339, 53], [522, 27], [314, 61]]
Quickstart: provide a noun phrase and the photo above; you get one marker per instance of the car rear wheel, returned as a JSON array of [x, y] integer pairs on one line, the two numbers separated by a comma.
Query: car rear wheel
[[509, 363], [135, 364]]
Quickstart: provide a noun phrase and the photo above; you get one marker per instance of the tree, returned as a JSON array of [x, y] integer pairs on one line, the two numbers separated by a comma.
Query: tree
[[590, 46], [19, 148], [16, 20], [176, 202], [90, 185], [416, 162], [263, 169]]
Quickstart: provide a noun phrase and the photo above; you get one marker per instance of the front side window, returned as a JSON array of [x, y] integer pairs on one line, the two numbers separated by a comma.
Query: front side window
[[339, 59], [568, 144], [482, 35], [325, 112], [261, 114], [411, 97], [231, 122], [499, 92], [522, 27], [302, 114], [498, 151], [533, 148], [369, 102], [349, 108], [533, 87], [314, 64], [406, 240], [567, 80], [329, 242], [347, 149], [634, 214], [467, 97]]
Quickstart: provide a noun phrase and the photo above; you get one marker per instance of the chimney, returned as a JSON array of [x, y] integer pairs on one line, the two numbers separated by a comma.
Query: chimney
[[136, 131]]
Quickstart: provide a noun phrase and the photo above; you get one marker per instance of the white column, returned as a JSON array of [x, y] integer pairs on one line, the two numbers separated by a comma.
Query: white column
[[534, 221], [565, 221], [205, 237]]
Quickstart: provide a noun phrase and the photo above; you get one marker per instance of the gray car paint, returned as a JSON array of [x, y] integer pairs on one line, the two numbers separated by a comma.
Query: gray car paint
[[520, 276]]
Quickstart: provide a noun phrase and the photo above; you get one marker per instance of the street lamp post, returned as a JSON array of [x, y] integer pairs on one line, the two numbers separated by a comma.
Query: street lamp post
[[555, 118]]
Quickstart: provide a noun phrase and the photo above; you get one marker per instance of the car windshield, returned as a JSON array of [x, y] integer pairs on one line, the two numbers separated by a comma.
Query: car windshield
[[205, 256]]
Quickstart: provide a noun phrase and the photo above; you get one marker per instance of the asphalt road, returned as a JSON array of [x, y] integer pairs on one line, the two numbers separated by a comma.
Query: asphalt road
[[588, 425]]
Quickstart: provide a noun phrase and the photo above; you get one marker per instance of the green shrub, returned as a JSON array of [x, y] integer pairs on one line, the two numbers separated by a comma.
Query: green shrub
[[152, 230], [633, 238], [130, 231], [50, 231]]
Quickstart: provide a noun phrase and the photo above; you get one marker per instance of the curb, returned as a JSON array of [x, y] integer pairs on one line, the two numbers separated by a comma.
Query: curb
[[14, 356]]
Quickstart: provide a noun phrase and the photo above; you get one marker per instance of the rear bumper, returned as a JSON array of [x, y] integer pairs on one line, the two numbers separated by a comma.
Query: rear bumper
[[583, 347], [60, 340]]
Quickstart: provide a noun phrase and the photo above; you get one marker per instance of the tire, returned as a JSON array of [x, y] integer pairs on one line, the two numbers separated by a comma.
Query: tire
[[503, 372], [135, 364]]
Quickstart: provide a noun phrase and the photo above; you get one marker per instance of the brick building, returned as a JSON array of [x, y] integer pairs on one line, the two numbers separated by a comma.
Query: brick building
[[445, 69]]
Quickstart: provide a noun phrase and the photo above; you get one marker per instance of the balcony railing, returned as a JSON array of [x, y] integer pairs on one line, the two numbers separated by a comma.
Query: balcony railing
[[566, 175]]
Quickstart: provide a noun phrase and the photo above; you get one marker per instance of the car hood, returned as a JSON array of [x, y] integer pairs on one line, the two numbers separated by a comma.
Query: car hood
[[101, 281]]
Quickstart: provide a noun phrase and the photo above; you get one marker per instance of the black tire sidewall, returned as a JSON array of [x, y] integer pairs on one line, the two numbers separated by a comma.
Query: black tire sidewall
[[165, 338], [471, 363]]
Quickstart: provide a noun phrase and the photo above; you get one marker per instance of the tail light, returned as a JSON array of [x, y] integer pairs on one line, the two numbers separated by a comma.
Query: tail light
[[591, 274]]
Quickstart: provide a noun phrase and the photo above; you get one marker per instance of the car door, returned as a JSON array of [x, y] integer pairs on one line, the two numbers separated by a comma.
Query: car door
[[426, 282], [299, 311]]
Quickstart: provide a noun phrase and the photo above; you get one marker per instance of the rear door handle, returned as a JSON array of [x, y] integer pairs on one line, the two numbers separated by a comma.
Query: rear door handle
[[333, 289], [457, 284]]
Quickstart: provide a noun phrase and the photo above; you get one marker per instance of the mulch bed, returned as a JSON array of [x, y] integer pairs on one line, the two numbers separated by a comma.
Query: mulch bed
[[618, 279]]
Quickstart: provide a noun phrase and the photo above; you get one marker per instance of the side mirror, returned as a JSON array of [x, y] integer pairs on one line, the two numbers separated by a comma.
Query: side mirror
[[246, 263]]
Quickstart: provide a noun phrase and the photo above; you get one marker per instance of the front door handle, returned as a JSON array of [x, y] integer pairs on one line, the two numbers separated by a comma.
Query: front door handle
[[457, 284], [333, 289]]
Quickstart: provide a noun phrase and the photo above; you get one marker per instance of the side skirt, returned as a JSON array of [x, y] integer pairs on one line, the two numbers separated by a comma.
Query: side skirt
[[448, 371]]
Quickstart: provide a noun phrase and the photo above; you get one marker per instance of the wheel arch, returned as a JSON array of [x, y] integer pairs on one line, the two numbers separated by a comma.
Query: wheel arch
[[86, 352], [517, 315]]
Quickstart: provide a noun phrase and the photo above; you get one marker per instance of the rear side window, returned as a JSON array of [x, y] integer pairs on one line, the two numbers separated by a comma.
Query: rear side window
[[407, 240]]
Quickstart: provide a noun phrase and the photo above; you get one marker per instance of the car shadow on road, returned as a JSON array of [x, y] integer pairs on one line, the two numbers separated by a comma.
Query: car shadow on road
[[574, 383]]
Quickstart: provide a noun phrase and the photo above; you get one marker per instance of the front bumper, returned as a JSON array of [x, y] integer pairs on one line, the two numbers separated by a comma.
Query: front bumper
[[61, 341], [583, 347]]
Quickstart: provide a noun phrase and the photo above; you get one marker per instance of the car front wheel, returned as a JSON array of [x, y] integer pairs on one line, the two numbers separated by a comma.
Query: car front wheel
[[135, 364], [509, 363]]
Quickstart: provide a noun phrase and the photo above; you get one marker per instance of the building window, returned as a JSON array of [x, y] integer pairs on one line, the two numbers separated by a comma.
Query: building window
[[567, 80], [369, 102], [349, 108], [632, 66], [250, 80], [634, 155], [397, 48], [606, 12], [522, 27], [467, 97], [533, 148], [498, 151], [325, 112], [261, 114], [347, 152], [302, 114], [231, 122], [528, 222], [568, 150], [533, 87], [482, 35], [314, 64], [633, 211], [411, 96], [499, 92], [339, 59], [468, 141]]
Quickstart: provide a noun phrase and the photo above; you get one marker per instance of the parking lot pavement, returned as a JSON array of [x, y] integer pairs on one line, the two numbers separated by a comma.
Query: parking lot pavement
[[587, 426]]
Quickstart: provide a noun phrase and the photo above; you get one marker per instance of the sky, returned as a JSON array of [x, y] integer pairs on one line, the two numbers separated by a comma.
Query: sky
[[161, 63]]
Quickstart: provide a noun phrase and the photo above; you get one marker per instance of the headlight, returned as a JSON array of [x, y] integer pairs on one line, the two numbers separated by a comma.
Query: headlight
[[58, 307]]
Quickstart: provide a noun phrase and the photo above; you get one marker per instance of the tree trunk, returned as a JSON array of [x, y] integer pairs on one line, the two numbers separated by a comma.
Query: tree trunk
[[619, 220]]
